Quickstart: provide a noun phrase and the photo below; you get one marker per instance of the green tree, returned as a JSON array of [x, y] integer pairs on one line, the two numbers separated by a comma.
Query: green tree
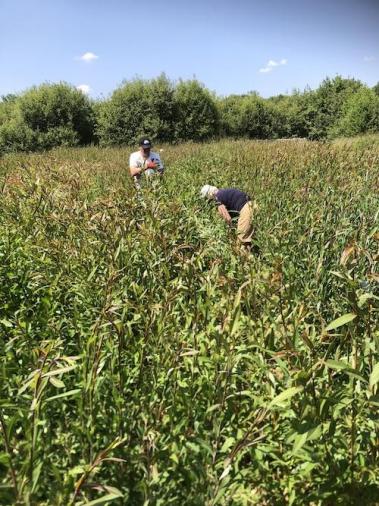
[[250, 116], [15, 135], [230, 116], [57, 108], [360, 114], [45, 116], [8, 98], [256, 118], [322, 108], [197, 116], [375, 88], [6, 108], [289, 118], [139, 107]]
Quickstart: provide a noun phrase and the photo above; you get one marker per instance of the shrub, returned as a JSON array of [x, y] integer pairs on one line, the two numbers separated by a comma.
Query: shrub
[[16, 136], [322, 108], [360, 114], [250, 116], [137, 108], [46, 116], [197, 117], [51, 106]]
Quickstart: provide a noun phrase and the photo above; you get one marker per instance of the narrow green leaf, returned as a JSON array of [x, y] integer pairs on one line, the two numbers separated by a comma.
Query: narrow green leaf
[[213, 408], [345, 367], [230, 441], [102, 500], [58, 371], [284, 396], [300, 440], [4, 459], [36, 475], [56, 382], [29, 383], [70, 393], [337, 364], [374, 376], [374, 399], [6, 323], [342, 320]]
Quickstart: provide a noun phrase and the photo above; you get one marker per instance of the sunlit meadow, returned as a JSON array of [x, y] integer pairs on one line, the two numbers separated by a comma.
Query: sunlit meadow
[[145, 361]]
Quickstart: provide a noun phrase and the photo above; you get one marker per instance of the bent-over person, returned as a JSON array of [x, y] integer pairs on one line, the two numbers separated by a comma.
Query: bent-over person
[[232, 203]]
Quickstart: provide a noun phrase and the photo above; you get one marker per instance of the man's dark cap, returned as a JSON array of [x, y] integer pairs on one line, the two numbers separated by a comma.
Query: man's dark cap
[[145, 142]]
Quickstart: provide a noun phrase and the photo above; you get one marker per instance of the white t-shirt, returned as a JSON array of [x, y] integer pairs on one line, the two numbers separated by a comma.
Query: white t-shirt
[[137, 160]]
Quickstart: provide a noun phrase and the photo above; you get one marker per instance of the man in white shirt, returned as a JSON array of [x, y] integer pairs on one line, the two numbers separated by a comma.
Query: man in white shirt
[[145, 162]]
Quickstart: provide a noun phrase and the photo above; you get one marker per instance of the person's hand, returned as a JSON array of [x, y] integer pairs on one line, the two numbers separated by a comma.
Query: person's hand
[[151, 165]]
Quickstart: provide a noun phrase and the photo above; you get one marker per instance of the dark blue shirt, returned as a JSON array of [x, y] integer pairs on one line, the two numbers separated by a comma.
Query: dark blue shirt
[[232, 199]]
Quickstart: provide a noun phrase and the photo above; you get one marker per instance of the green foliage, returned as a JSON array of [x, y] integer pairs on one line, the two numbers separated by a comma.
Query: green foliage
[[145, 360], [57, 106], [158, 109], [46, 116], [360, 114], [229, 111], [15, 135], [59, 115], [248, 116], [138, 107], [197, 115], [253, 117], [322, 108], [289, 120], [6, 108]]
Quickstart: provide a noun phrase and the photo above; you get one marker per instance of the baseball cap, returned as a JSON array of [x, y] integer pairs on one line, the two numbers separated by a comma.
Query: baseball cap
[[145, 142], [207, 191]]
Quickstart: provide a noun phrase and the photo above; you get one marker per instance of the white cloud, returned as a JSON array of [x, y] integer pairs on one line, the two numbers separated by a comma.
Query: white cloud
[[84, 88], [88, 56], [271, 64], [369, 58]]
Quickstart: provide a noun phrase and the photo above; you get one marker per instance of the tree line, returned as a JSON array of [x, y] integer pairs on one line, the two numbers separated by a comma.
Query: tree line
[[53, 115]]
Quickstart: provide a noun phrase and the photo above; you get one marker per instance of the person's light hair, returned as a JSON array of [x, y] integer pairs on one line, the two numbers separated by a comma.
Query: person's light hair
[[208, 191]]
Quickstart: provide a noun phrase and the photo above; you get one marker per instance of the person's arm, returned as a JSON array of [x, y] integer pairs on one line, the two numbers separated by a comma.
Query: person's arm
[[160, 166], [135, 171], [157, 163], [135, 167], [224, 214]]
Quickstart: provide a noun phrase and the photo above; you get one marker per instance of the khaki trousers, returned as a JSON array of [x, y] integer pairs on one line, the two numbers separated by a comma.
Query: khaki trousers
[[245, 228]]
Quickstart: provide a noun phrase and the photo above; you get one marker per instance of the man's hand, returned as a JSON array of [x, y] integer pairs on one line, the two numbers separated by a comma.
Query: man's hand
[[150, 165], [224, 214], [135, 171]]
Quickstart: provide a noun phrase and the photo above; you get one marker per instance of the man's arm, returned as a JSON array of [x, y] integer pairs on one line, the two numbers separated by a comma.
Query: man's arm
[[224, 214], [159, 164], [135, 167], [135, 171]]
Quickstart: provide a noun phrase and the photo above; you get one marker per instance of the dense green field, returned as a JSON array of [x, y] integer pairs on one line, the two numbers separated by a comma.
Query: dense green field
[[144, 361]]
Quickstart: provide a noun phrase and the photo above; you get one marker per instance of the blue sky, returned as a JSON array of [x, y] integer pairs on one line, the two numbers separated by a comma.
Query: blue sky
[[232, 46]]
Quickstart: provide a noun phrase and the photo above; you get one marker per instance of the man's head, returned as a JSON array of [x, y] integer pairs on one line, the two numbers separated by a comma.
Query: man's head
[[145, 146], [208, 191]]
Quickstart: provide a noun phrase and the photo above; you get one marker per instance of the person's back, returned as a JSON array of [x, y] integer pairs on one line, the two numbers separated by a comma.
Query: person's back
[[233, 199]]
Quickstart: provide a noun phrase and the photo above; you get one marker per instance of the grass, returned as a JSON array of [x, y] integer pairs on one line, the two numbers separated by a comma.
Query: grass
[[144, 361]]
